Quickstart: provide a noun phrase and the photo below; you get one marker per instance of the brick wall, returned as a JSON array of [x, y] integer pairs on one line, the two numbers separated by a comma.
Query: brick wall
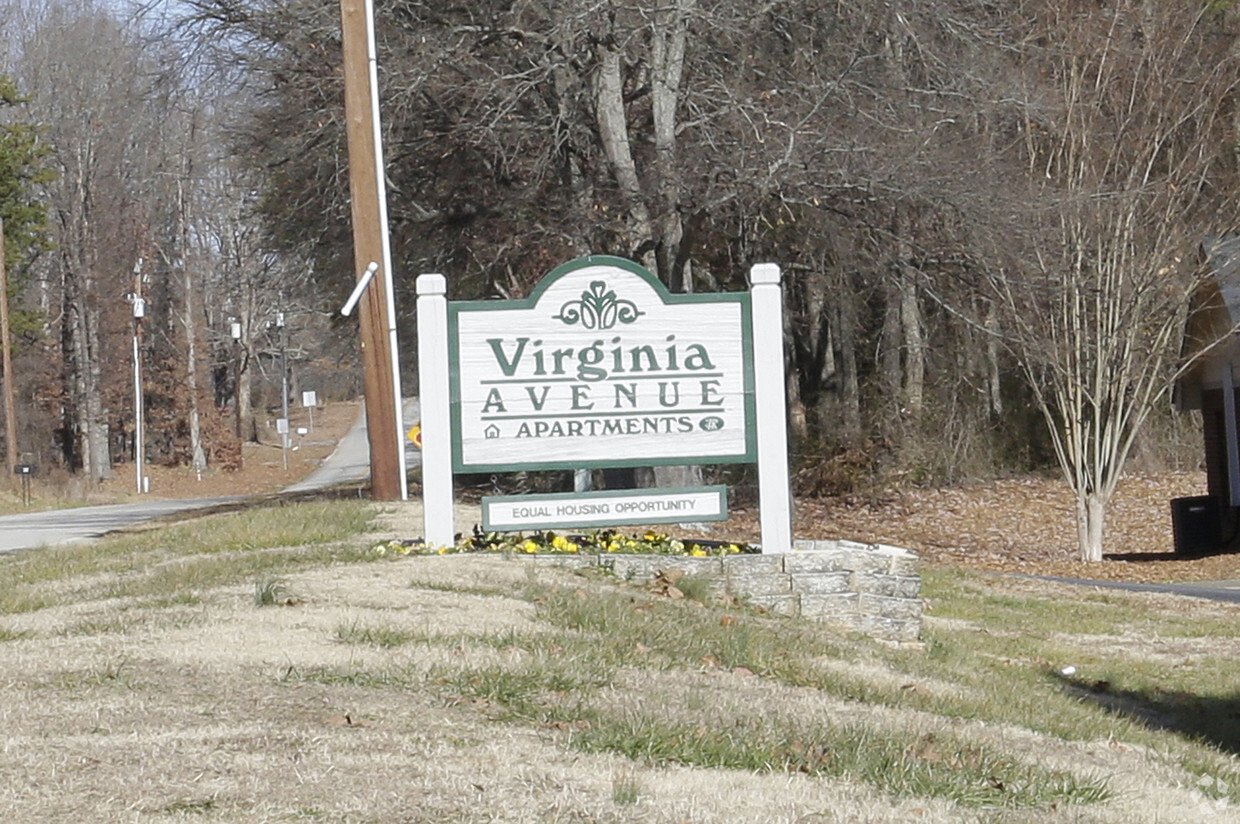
[[869, 588]]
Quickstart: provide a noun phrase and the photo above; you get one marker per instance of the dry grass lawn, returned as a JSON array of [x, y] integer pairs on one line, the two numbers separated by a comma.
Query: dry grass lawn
[[382, 692]]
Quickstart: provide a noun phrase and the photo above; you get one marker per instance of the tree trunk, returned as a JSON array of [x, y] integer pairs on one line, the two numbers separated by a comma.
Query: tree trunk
[[245, 393], [667, 58], [190, 322], [993, 386], [914, 349], [81, 330], [1091, 510], [850, 387], [912, 335], [890, 376], [614, 133]]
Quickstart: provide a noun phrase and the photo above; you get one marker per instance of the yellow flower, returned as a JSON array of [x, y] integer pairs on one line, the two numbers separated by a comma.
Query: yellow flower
[[443, 550], [560, 542], [529, 546], [698, 552], [571, 547], [381, 550]]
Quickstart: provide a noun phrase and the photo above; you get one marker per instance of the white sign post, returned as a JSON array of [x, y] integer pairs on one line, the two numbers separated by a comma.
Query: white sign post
[[602, 367], [436, 418], [774, 495]]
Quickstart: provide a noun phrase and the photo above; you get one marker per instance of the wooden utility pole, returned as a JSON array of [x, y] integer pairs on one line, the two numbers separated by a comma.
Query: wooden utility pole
[[379, 379], [6, 363]]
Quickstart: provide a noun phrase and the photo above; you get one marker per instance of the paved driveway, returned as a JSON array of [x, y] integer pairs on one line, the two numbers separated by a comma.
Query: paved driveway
[[1225, 591]]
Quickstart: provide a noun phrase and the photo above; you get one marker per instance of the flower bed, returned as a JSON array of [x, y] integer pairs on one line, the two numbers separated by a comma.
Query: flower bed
[[867, 588], [607, 541]]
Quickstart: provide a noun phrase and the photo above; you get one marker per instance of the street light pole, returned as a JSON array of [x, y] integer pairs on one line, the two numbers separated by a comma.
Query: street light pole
[[139, 451], [283, 386], [234, 330]]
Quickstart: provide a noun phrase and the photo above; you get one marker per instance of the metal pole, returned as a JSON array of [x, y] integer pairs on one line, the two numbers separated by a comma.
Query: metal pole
[[137, 410], [283, 386], [234, 330], [139, 450], [402, 459]]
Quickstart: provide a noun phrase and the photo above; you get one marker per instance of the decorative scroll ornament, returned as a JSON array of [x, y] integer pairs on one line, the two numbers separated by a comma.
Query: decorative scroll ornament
[[599, 308]]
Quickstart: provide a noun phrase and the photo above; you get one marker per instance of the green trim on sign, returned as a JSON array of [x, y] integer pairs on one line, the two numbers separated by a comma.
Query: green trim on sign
[[751, 405], [454, 385], [456, 308], [602, 463], [595, 521]]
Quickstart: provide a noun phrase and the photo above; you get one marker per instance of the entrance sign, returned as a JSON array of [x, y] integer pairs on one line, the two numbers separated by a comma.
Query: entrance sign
[[627, 506], [601, 366]]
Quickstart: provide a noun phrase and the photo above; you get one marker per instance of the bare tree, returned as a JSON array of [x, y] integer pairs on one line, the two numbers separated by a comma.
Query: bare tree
[[1134, 147], [83, 71]]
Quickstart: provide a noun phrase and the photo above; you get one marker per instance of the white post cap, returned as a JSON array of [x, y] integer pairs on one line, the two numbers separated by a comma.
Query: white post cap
[[763, 273], [432, 285]]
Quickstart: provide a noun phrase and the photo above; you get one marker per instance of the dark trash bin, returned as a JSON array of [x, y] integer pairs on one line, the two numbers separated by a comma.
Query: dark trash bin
[[1195, 524]]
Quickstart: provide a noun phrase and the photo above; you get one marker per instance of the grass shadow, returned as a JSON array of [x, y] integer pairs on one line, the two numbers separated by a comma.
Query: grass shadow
[[1212, 720]]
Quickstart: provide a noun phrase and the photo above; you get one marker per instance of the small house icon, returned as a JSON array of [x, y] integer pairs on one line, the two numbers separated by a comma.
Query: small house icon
[[491, 432]]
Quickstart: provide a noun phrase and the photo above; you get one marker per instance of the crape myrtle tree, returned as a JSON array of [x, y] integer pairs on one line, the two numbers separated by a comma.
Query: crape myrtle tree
[[1131, 152]]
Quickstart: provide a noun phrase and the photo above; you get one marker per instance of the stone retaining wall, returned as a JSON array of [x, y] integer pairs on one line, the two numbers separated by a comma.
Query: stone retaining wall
[[870, 588]]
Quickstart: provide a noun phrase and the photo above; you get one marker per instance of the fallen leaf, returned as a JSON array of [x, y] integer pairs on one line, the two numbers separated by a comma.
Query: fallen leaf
[[346, 720]]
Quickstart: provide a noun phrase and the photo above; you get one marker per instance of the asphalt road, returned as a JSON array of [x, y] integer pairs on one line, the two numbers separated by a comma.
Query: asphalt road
[[58, 526], [1225, 591], [349, 463]]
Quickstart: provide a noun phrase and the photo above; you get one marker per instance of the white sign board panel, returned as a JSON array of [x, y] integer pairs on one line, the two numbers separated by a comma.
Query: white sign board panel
[[601, 509], [601, 366]]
